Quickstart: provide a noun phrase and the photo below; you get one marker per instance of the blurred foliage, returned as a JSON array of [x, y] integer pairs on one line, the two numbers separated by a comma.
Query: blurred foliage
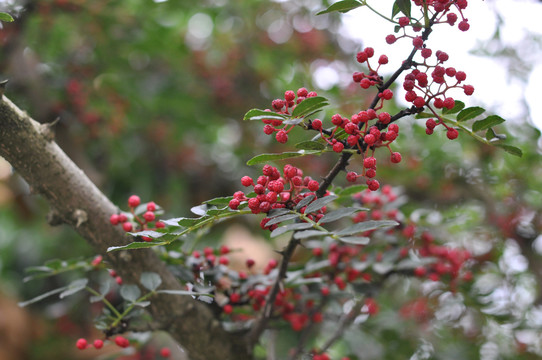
[[150, 97]]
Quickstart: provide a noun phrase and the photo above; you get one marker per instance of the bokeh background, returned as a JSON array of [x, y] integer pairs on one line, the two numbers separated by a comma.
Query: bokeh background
[[150, 97]]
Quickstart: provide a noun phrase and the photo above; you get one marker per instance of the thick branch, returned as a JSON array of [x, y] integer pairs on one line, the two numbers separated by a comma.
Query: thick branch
[[79, 203]]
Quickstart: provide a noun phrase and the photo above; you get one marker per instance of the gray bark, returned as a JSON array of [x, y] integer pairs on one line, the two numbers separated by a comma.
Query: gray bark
[[30, 149]]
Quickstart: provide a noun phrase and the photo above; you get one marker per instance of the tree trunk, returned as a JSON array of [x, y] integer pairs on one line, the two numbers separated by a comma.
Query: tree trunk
[[29, 147]]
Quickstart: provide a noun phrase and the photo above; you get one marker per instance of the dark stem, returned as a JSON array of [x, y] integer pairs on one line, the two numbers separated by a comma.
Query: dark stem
[[262, 322]]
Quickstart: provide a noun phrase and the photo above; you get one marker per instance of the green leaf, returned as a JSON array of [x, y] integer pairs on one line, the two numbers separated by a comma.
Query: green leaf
[[183, 292], [309, 105], [199, 210], [286, 155], [309, 233], [73, 287], [486, 123], [338, 214], [470, 113], [148, 233], [290, 227], [342, 6], [130, 293], [137, 245], [490, 134], [304, 202], [319, 203], [459, 105], [150, 280], [219, 201], [351, 190], [355, 240], [401, 6], [511, 149], [42, 296], [424, 115], [5, 17], [366, 226], [293, 121], [257, 114], [310, 145], [279, 219]]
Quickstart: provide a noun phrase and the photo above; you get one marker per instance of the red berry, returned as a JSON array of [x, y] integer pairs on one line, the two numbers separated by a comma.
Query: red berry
[[451, 18], [384, 118], [387, 94], [250, 263], [361, 57], [114, 219], [151, 206], [337, 119], [134, 201], [149, 216], [463, 25], [165, 352], [417, 42], [281, 136], [369, 162], [302, 92], [365, 83], [97, 260], [313, 185], [430, 124], [351, 176], [452, 134], [268, 129], [81, 344], [223, 260], [317, 124], [404, 21], [370, 139], [395, 157], [357, 76], [122, 342], [234, 204], [127, 226], [460, 76], [468, 89], [118, 280], [277, 104], [122, 218], [390, 39], [410, 96], [338, 147], [98, 344], [246, 181], [383, 59], [228, 309], [289, 95], [369, 51], [373, 184], [426, 52]]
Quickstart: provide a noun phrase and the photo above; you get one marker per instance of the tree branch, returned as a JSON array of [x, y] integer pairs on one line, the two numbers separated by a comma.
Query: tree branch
[[80, 204]]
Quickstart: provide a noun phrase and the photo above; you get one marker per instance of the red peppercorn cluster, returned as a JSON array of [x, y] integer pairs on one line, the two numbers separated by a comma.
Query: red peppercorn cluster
[[273, 191], [427, 86], [136, 221], [443, 11], [119, 341], [285, 106]]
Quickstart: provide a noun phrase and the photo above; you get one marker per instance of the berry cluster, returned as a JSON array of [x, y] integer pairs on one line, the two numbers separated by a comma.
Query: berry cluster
[[441, 11], [139, 218], [273, 191], [429, 88], [285, 106], [119, 341]]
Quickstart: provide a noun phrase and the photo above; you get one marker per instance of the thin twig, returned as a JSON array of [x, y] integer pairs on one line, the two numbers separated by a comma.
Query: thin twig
[[262, 322]]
